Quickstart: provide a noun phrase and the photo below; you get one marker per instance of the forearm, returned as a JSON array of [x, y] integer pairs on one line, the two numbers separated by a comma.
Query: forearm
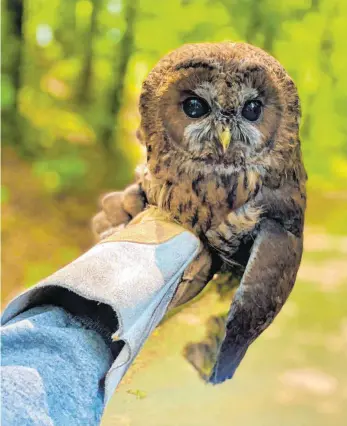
[[111, 299], [52, 368]]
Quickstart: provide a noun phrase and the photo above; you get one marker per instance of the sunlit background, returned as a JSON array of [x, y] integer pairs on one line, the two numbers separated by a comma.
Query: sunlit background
[[71, 76]]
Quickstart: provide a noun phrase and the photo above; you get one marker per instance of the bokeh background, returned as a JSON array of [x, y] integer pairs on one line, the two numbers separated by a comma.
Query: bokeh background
[[71, 76]]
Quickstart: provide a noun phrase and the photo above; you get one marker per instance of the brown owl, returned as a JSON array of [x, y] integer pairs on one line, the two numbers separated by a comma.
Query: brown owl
[[220, 123]]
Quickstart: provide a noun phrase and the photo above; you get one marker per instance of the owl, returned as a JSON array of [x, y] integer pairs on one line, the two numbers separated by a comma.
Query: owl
[[220, 124]]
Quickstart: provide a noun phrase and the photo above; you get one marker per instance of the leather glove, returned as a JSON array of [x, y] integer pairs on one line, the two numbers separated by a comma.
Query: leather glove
[[120, 208], [130, 279]]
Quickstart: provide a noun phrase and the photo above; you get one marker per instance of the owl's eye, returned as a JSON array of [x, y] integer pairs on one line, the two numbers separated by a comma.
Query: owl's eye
[[252, 110], [195, 107]]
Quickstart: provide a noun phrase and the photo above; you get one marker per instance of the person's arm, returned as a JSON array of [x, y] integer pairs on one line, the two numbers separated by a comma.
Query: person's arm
[[76, 333], [53, 368]]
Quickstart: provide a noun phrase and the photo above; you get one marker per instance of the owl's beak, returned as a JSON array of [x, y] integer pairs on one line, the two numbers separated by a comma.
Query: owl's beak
[[225, 138]]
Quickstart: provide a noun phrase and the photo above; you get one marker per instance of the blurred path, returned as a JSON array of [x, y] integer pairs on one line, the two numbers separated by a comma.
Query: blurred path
[[295, 374]]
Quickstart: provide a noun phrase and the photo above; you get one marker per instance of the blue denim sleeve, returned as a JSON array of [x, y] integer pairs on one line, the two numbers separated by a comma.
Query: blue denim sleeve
[[53, 368]]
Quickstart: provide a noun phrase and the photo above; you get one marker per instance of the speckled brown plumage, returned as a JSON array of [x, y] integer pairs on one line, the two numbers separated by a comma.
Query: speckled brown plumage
[[202, 187], [253, 191]]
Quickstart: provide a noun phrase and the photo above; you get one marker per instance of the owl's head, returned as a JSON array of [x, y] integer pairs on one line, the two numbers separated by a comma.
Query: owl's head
[[206, 99]]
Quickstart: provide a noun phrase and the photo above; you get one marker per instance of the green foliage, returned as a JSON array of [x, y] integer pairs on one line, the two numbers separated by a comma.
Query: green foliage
[[8, 93], [5, 194], [72, 72], [71, 77], [59, 173], [138, 393]]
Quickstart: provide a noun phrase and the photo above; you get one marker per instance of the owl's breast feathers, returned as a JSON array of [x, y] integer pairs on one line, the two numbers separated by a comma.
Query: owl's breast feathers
[[200, 194], [197, 193]]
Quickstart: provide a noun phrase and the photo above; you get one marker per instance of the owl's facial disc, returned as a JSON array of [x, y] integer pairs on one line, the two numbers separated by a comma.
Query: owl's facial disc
[[212, 109], [235, 108], [214, 125], [195, 107]]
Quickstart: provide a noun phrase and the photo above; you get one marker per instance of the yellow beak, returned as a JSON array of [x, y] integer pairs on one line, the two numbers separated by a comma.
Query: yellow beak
[[225, 138]]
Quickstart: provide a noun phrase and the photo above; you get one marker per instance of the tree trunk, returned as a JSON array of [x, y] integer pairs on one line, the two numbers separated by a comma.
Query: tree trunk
[[16, 9], [83, 93], [12, 131], [126, 47]]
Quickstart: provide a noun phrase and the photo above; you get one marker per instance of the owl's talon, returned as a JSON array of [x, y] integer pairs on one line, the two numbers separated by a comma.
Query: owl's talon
[[118, 208]]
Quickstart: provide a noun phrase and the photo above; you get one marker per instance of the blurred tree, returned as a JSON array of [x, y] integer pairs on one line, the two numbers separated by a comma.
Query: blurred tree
[[12, 31], [71, 74], [120, 65], [83, 94], [16, 12]]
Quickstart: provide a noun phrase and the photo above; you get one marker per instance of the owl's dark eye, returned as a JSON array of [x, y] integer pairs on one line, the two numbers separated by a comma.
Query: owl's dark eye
[[252, 110], [195, 107]]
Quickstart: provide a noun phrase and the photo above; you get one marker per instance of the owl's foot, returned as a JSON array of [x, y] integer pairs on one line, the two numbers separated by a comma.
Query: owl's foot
[[203, 355], [118, 208]]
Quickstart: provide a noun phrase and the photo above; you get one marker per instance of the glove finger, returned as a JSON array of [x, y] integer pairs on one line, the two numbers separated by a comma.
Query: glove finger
[[113, 208]]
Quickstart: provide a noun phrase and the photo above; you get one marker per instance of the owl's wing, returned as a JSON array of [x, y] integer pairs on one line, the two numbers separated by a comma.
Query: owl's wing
[[265, 286]]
